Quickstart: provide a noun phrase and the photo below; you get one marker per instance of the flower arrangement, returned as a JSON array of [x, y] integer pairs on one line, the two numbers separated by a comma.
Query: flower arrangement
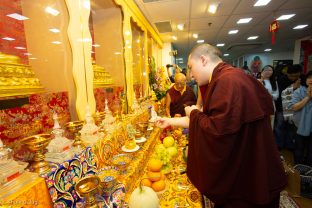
[[158, 79]]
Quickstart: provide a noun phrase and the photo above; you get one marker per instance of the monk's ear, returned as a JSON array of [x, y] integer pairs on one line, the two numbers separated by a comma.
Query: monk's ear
[[203, 59]]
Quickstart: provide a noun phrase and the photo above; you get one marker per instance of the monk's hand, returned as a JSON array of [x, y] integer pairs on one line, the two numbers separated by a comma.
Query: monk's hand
[[188, 110], [162, 122]]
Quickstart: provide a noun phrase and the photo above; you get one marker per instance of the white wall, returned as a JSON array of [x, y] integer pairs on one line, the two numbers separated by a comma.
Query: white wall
[[267, 58], [166, 58]]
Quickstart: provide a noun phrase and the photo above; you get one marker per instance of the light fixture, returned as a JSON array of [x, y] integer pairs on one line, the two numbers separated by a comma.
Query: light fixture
[[233, 31], [200, 41], [180, 26], [181, 62], [96, 45], [8, 38], [174, 37], [286, 17], [54, 30], [33, 58], [20, 48], [226, 54], [213, 8], [17, 16], [299, 27], [27, 54], [56, 42], [220, 44], [117, 53], [127, 32], [262, 2], [244, 20], [268, 49], [252, 37], [52, 11], [86, 4], [195, 35]]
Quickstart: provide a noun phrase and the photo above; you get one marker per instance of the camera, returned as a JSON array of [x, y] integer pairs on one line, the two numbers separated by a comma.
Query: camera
[[169, 65]]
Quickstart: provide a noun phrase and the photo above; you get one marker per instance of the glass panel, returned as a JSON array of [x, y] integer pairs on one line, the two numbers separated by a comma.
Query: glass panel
[[105, 24], [139, 70]]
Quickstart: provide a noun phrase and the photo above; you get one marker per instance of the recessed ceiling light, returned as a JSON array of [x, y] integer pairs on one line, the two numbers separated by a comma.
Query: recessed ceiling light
[[261, 2], [20, 48], [96, 45], [220, 44], [54, 30], [286, 17], [233, 31], [226, 54], [268, 49], [252, 37], [299, 27], [33, 58], [56, 42], [195, 35], [179, 59], [27, 54], [244, 20], [8, 38], [52, 11], [181, 62], [17, 16], [174, 37], [200, 41], [180, 26], [117, 53], [213, 8]]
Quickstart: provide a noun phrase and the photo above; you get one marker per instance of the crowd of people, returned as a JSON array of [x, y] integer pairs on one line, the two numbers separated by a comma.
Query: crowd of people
[[237, 125]]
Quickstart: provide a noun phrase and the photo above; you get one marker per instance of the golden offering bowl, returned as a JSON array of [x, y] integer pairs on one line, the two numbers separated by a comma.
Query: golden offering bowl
[[88, 187], [121, 161], [74, 127], [138, 135], [98, 118], [142, 126], [37, 144]]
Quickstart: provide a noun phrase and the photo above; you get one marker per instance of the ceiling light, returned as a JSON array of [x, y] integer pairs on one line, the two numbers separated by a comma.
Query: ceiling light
[[8, 38], [268, 49], [33, 58], [213, 8], [261, 2], [200, 41], [180, 26], [17, 16], [174, 37], [233, 31], [117, 53], [54, 30], [52, 11], [286, 17], [179, 59], [181, 62], [220, 44], [226, 54], [252, 37], [244, 20], [96, 45], [20, 48], [299, 27], [56, 42], [195, 35], [27, 54], [127, 32]]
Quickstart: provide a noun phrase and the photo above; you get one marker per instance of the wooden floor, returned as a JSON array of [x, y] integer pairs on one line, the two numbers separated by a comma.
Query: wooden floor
[[302, 202]]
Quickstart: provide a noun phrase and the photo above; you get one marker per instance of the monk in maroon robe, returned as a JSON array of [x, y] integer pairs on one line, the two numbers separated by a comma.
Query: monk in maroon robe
[[233, 159], [179, 95]]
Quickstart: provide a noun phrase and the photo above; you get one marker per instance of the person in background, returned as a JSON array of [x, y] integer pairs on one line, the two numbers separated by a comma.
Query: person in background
[[232, 156], [283, 81], [179, 95], [302, 105], [269, 81], [246, 68], [171, 73]]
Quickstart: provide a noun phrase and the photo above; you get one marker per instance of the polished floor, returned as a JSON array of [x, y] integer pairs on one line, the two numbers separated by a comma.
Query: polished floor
[[301, 201]]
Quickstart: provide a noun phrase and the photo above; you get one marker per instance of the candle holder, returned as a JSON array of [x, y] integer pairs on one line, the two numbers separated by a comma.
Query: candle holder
[[87, 187], [37, 144], [74, 127]]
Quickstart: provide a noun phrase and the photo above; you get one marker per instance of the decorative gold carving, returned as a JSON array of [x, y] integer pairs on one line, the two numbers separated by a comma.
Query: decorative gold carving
[[16, 78], [102, 78]]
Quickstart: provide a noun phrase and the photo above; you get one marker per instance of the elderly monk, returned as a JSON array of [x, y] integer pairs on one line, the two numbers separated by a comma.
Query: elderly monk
[[179, 95], [232, 158]]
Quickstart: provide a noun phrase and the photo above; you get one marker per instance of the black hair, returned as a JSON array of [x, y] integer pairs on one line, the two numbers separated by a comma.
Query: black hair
[[169, 65], [293, 69], [272, 78], [305, 77]]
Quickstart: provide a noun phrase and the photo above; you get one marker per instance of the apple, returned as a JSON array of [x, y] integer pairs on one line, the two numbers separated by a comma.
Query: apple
[[168, 141]]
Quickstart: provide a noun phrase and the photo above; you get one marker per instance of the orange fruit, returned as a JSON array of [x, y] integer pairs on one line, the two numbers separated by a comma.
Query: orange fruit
[[154, 165], [159, 185], [146, 182], [162, 176], [153, 176]]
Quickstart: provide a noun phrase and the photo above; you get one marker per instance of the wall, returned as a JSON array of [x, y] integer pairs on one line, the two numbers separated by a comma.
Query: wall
[[166, 58], [267, 58]]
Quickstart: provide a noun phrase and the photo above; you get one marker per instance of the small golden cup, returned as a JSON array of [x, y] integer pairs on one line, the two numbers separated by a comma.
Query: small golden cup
[[74, 127], [88, 187]]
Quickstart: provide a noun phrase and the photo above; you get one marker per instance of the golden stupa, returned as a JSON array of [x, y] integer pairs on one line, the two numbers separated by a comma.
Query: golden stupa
[[17, 78], [102, 78]]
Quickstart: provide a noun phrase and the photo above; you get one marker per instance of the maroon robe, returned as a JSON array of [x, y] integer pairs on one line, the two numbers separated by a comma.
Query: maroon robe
[[232, 154], [177, 100]]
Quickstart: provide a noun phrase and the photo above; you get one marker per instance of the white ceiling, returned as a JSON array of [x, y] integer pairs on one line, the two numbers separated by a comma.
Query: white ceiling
[[193, 13]]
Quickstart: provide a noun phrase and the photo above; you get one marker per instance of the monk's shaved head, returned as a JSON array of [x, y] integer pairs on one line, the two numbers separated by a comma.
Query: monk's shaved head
[[206, 50], [179, 77]]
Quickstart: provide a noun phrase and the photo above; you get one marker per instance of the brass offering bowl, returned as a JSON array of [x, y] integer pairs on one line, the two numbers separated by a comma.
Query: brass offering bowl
[[98, 118], [88, 187], [138, 135], [121, 161], [74, 127], [142, 126], [37, 144]]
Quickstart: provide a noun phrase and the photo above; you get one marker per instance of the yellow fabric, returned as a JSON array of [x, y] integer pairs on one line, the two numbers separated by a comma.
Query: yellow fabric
[[184, 89]]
